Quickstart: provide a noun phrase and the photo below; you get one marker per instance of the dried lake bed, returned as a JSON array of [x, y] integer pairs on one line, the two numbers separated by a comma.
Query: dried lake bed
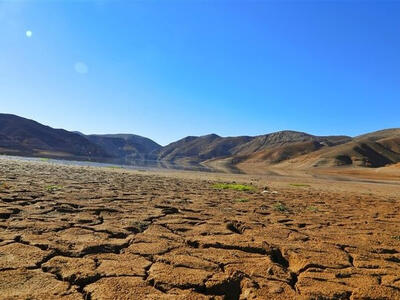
[[84, 232]]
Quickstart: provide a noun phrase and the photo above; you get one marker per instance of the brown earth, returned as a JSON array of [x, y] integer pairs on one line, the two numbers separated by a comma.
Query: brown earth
[[69, 232]]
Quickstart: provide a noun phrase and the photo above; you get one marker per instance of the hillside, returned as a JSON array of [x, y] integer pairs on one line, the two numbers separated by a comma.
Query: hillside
[[127, 147], [287, 137], [20, 136], [273, 147], [376, 149], [197, 149]]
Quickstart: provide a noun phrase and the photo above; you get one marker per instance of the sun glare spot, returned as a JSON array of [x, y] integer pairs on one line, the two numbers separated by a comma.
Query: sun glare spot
[[81, 68]]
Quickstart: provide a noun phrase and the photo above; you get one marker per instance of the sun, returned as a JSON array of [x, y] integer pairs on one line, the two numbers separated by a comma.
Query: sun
[[28, 33]]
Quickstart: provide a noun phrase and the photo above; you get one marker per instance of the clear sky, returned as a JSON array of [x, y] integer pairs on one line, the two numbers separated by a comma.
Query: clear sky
[[168, 69]]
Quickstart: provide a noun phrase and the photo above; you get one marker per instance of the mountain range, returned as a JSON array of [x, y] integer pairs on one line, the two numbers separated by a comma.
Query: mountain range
[[286, 149]]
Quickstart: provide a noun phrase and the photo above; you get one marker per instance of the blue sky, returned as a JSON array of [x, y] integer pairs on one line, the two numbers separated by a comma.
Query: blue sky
[[168, 69]]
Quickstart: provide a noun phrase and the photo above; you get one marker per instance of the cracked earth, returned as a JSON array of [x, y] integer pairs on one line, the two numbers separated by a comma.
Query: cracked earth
[[69, 232]]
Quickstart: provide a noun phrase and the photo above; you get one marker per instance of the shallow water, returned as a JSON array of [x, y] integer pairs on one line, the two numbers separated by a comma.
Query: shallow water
[[133, 165]]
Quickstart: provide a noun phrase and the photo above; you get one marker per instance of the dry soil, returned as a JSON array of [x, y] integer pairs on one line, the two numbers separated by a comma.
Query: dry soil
[[69, 232]]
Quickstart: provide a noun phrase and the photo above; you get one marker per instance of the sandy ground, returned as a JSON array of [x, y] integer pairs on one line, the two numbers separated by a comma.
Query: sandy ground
[[69, 232]]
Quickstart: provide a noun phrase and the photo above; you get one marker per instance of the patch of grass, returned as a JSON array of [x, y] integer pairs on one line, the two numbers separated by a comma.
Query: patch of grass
[[44, 159], [242, 200], [280, 207], [312, 208], [233, 186], [114, 167], [396, 237], [53, 188], [299, 184]]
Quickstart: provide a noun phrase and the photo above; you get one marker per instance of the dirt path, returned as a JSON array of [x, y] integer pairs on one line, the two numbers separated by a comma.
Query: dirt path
[[88, 233]]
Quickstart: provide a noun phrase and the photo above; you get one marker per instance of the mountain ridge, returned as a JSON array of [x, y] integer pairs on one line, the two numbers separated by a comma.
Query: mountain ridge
[[286, 149], [23, 136]]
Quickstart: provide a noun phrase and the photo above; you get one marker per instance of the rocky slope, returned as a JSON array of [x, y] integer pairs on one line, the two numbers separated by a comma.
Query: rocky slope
[[198, 149], [376, 149], [272, 148], [22, 136], [128, 147]]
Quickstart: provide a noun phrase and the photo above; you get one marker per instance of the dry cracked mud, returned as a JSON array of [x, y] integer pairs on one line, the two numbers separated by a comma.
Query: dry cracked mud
[[69, 232]]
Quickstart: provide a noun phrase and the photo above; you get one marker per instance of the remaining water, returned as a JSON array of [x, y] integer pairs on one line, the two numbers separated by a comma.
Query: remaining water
[[134, 164]]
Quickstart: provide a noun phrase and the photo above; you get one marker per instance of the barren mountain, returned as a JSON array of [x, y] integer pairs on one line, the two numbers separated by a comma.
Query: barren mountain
[[127, 147], [375, 149], [20, 136], [287, 137], [273, 147], [198, 149]]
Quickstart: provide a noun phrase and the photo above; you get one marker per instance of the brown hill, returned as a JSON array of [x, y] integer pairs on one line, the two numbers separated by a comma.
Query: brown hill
[[229, 151], [20, 136], [197, 149], [287, 137], [376, 149], [126, 147]]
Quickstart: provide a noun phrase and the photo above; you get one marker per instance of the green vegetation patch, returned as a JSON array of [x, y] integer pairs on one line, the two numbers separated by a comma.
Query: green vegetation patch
[[312, 208], [53, 188], [299, 184], [396, 237], [233, 186], [280, 207], [242, 200]]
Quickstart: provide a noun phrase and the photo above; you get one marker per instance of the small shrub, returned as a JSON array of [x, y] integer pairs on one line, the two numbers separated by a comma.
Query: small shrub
[[312, 208], [396, 237], [280, 207], [233, 186], [53, 188]]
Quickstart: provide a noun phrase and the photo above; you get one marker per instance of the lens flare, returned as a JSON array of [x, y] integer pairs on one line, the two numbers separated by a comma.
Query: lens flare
[[81, 68]]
